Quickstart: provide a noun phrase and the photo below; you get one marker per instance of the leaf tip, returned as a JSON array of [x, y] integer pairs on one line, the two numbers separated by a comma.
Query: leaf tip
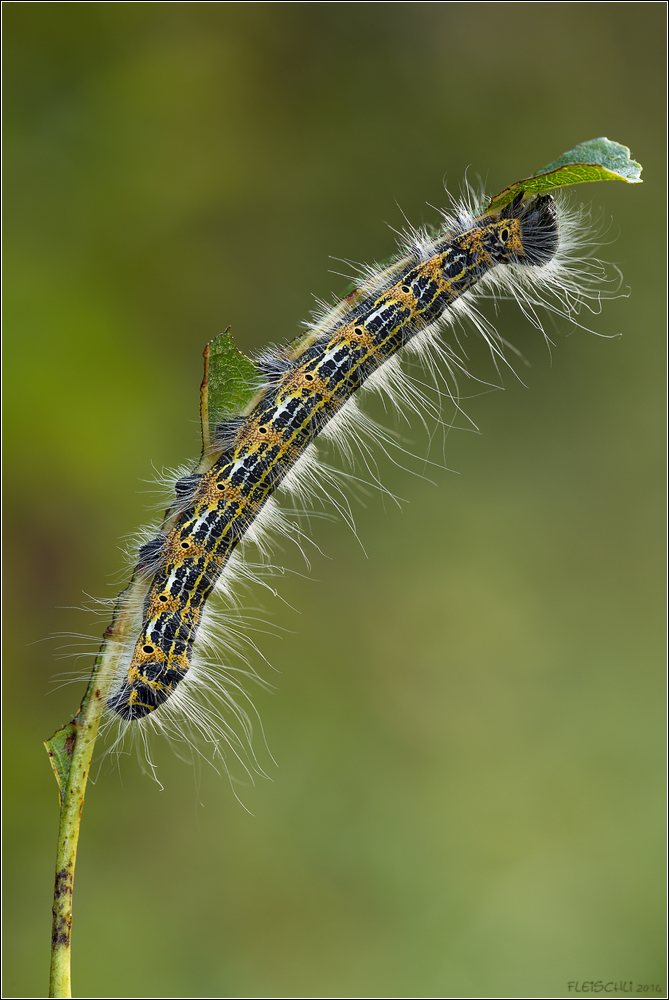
[[60, 748]]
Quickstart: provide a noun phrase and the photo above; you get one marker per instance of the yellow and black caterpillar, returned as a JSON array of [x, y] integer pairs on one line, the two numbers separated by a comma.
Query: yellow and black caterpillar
[[304, 388]]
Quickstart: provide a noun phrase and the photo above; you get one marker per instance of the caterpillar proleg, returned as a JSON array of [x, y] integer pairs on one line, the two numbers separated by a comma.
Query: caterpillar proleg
[[529, 246]]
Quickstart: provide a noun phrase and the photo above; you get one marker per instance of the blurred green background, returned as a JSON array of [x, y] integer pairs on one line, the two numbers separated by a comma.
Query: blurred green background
[[467, 720]]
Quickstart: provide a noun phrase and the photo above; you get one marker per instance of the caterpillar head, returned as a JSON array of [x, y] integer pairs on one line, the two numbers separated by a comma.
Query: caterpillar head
[[540, 230]]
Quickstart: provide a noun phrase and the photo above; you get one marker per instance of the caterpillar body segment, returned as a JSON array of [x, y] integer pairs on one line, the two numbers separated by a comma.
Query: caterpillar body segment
[[256, 451]]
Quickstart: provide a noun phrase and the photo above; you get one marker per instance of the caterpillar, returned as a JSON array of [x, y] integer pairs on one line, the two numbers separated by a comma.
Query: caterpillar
[[528, 250]]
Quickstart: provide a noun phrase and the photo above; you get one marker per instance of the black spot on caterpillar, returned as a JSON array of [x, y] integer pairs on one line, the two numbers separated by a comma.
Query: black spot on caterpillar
[[150, 553], [273, 364], [226, 432], [187, 485]]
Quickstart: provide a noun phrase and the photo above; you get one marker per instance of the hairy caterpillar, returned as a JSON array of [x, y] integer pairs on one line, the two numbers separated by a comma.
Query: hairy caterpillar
[[527, 249]]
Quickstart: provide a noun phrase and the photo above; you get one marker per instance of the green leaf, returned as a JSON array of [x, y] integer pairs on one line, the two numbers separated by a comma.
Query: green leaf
[[59, 749], [230, 382], [595, 160]]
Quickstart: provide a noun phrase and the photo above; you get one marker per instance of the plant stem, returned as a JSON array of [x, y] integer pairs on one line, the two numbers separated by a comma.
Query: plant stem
[[70, 750], [84, 726]]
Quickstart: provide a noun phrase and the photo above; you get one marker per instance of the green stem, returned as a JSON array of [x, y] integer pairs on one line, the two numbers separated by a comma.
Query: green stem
[[85, 727], [70, 750]]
